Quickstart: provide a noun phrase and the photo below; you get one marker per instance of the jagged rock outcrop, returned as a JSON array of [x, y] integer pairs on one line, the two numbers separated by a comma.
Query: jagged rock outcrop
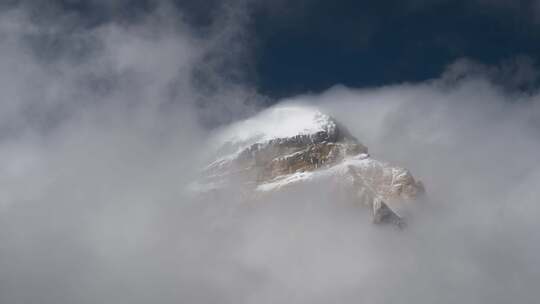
[[289, 145]]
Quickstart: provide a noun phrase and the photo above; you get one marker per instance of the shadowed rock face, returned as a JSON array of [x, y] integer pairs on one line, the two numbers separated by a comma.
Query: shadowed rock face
[[299, 153], [319, 150]]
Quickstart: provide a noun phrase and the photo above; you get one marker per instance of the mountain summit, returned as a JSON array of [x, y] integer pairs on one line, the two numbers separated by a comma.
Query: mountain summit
[[286, 146]]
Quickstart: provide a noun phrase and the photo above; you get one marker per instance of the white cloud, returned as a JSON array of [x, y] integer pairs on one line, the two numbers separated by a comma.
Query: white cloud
[[96, 146]]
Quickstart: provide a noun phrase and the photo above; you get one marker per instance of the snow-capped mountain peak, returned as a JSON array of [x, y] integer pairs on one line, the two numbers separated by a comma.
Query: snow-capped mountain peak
[[282, 121], [289, 145]]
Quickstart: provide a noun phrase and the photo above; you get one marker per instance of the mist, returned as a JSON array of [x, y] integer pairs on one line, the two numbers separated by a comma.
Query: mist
[[102, 127]]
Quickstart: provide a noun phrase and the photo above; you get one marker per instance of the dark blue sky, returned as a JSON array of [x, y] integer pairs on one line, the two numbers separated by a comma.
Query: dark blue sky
[[310, 45], [369, 43]]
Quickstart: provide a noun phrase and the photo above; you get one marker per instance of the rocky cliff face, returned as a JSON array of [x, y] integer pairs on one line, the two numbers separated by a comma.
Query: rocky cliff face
[[290, 145]]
